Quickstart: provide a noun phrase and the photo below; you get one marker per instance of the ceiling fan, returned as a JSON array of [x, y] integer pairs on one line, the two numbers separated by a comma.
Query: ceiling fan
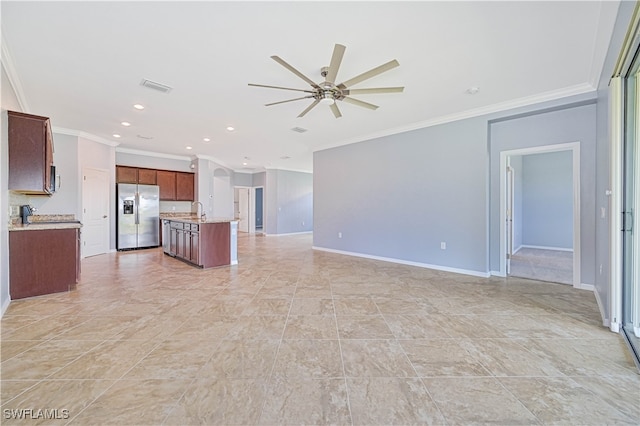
[[327, 92]]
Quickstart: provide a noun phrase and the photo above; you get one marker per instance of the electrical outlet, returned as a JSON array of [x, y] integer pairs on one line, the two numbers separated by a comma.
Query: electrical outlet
[[303, 223], [443, 245], [339, 234]]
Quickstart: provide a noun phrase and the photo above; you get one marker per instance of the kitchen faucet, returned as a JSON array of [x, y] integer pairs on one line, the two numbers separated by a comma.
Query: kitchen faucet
[[203, 216]]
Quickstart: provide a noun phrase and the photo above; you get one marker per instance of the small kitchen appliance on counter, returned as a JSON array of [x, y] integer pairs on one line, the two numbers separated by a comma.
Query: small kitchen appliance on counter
[[25, 212]]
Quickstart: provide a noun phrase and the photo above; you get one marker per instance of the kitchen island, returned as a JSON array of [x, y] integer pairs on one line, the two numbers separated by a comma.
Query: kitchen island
[[205, 243]]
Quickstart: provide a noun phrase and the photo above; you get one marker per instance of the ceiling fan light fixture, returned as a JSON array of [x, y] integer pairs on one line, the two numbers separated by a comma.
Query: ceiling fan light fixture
[[327, 98]]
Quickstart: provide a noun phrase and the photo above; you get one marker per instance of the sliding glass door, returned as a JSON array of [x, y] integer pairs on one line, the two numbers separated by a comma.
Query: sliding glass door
[[631, 209]]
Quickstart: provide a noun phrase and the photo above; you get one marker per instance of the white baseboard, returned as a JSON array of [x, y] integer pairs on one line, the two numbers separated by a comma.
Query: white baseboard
[[605, 321], [583, 286], [406, 262], [5, 306], [290, 233], [544, 248], [497, 274]]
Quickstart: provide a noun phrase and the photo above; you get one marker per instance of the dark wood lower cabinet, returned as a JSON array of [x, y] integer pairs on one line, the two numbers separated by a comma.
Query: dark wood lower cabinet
[[203, 244], [43, 262]]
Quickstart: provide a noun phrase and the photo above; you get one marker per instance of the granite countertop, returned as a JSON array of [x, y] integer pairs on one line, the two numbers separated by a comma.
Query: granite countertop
[[194, 219], [46, 222], [44, 226]]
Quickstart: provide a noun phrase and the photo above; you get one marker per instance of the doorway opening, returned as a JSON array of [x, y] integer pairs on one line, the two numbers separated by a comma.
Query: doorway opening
[[540, 213], [259, 210]]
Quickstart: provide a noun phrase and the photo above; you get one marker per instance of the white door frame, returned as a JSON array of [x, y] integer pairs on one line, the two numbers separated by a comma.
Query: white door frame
[[574, 147], [510, 182]]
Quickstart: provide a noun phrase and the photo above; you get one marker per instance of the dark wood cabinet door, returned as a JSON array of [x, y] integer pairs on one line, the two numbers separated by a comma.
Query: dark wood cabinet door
[[30, 153], [167, 182], [126, 174], [147, 176], [42, 262], [195, 247], [185, 186]]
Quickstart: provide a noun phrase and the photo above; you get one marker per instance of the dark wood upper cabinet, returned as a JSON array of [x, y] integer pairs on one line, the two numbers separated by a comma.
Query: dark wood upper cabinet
[[30, 153], [126, 174], [174, 186], [147, 176], [184, 186], [167, 182]]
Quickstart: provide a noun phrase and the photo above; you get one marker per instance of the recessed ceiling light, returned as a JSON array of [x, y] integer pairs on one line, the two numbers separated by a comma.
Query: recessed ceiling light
[[245, 163], [230, 129], [206, 140], [115, 135], [126, 124], [472, 90], [285, 157], [189, 147], [138, 106]]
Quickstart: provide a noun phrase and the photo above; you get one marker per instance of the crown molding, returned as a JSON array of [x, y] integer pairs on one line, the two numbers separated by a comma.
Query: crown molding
[[84, 135], [7, 63], [579, 89]]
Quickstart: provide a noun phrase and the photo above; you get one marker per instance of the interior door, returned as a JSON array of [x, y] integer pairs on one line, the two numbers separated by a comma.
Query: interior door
[[243, 209], [95, 212]]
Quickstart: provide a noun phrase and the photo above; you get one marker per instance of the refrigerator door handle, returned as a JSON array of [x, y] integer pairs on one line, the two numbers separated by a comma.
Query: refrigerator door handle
[[137, 208]]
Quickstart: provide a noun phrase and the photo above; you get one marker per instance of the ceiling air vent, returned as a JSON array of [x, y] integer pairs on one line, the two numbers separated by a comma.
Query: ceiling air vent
[[156, 86], [299, 129], [145, 137]]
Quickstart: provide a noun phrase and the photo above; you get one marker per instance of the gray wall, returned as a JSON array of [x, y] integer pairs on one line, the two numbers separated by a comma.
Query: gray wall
[[65, 200], [547, 200], [400, 196], [557, 126], [288, 198], [242, 179]]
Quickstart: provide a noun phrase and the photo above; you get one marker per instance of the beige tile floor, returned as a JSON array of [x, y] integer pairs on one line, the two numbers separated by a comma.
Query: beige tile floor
[[296, 336]]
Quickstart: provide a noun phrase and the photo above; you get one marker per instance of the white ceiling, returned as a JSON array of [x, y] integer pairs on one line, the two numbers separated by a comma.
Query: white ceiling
[[81, 63]]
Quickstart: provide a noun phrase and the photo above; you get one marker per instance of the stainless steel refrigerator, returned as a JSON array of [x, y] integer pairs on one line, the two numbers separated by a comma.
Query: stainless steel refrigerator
[[138, 216]]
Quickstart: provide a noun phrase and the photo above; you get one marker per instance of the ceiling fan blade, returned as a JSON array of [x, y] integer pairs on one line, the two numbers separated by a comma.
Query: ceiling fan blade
[[373, 90], [278, 87], [288, 100], [336, 59], [309, 108], [335, 110], [295, 71], [360, 103], [371, 73]]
